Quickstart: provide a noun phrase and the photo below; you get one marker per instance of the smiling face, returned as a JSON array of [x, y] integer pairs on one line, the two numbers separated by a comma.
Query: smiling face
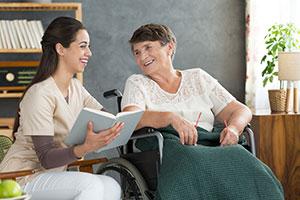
[[152, 57], [76, 56]]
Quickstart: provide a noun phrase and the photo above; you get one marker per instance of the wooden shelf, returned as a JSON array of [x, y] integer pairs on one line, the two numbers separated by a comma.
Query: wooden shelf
[[11, 95], [38, 6], [20, 50], [7, 122], [21, 7]]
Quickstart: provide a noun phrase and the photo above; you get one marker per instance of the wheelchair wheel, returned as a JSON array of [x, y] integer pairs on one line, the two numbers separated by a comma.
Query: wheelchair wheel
[[132, 183]]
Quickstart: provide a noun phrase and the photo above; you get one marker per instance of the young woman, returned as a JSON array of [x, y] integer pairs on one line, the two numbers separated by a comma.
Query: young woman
[[48, 110]]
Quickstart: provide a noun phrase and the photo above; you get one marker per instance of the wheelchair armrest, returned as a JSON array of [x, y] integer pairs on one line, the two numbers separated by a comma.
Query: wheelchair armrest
[[150, 132], [250, 135], [16, 174], [84, 166], [112, 93], [87, 165], [143, 131]]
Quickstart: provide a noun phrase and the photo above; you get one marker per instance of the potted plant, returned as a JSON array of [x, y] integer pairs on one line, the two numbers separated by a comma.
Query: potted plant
[[279, 38]]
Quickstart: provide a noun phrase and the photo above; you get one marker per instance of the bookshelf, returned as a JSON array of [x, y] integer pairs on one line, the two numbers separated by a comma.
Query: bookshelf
[[10, 92], [35, 7], [41, 7]]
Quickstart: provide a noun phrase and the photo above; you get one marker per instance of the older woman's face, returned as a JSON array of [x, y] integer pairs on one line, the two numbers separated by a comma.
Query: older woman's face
[[151, 56]]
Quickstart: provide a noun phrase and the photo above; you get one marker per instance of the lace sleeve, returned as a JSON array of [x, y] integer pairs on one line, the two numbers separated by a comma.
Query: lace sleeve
[[133, 95], [218, 95]]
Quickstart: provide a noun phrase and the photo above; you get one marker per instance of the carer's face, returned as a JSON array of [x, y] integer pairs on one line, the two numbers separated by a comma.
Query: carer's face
[[150, 56], [78, 53]]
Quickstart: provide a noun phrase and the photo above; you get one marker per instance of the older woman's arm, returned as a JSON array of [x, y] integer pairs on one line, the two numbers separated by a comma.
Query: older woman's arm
[[153, 119], [237, 116], [186, 130]]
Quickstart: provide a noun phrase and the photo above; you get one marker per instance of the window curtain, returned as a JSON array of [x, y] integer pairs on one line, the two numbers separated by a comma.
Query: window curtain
[[261, 15]]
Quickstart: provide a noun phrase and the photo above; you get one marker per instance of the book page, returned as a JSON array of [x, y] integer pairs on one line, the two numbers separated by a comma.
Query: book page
[[99, 112], [130, 120], [101, 121], [78, 131], [120, 114]]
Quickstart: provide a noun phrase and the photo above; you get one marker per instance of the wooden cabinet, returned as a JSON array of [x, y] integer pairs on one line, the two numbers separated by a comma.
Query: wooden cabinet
[[278, 145]]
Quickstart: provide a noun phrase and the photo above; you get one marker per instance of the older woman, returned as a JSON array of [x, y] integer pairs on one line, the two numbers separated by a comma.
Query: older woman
[[190, 101]]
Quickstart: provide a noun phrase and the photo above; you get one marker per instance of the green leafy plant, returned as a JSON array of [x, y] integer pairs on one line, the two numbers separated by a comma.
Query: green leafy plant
[[280, 37]]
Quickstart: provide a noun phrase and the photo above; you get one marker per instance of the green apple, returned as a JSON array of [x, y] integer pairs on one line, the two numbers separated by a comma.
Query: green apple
[[10, 188]]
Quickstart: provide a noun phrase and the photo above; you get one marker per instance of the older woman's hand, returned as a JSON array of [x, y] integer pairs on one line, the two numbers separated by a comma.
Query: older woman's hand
[[186, 130], [229, 136]]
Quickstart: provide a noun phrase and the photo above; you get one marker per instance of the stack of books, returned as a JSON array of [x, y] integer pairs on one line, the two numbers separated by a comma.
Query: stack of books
[[21, 34]]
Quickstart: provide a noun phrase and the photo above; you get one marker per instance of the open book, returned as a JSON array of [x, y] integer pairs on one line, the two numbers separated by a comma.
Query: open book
[[103, 120]]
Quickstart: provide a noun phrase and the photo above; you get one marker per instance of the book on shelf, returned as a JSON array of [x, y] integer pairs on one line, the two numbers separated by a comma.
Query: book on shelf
[[11, 35], [1, 36], [6, 41], [39, 27], [35, 34], [19, 34], [24, 33], [29, 36], [15, 35], [101, 121]]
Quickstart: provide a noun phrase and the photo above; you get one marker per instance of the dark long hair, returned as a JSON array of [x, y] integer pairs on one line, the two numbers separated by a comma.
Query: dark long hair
[[61, 30]]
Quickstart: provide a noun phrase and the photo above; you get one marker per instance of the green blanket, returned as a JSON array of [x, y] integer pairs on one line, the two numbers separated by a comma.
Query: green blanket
[[211, 172]]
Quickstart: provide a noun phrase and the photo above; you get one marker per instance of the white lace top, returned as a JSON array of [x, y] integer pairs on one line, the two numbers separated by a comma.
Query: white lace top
[[198, 92]]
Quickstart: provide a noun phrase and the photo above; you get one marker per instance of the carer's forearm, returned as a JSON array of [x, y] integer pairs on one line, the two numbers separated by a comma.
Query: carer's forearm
[[240, 118], [49, 155], [155, 119], [80, 150]]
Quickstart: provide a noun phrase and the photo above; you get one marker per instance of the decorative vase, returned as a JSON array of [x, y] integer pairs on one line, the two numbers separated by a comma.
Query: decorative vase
[[277, 99]]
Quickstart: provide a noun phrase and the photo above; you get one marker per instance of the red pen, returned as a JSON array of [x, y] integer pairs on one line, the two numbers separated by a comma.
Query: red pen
[[225, 123], [198, 119]]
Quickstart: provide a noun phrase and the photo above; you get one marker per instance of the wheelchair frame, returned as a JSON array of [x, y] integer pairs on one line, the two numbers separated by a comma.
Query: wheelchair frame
[[133, 183]]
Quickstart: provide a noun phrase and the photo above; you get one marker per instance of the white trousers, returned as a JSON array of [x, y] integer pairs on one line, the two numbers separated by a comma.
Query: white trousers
[[73, 185]]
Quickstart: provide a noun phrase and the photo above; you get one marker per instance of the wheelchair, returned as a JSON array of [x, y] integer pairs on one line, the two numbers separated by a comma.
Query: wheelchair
[[138, 171]]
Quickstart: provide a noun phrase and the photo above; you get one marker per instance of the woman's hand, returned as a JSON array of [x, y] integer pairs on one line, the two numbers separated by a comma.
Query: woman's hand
[[229, 136], [238, 115], [94, 141], [186, 130]]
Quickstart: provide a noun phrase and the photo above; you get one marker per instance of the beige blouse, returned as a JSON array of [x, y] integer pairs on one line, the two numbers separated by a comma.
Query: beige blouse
[[44, 111], [198, 93]]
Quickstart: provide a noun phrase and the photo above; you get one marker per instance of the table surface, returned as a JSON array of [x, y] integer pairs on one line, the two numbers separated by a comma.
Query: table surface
[[268, 112]]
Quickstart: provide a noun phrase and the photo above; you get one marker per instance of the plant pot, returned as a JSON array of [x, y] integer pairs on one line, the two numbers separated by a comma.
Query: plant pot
[[277, 99]]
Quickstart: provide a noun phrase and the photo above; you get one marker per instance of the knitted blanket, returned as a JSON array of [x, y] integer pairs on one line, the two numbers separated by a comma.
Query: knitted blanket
[[211, 172]]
